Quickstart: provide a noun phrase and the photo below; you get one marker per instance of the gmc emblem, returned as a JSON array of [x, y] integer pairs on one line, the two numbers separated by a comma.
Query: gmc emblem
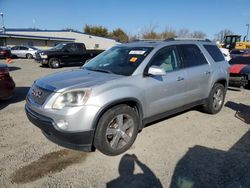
[[36, 93]]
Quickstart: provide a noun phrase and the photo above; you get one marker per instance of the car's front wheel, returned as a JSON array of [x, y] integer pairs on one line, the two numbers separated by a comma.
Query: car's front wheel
[[54, 63], [117, 130]]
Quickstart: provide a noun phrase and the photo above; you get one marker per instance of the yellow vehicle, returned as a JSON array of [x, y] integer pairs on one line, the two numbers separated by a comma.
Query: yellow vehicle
[[234, 42]]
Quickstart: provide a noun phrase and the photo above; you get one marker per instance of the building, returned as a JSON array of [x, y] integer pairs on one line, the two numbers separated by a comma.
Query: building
[[44, 39]]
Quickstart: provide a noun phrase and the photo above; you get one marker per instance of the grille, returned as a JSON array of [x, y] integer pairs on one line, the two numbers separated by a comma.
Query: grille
[[39, 95], [37, 55]]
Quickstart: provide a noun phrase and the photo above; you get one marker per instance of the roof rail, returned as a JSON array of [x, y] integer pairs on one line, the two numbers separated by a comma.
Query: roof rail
[[171, 39], [193, 39]]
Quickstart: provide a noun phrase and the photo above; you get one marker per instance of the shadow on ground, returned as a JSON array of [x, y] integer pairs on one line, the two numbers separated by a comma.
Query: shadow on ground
[[47, 164], [13, 68], [19, 95], [242, 111], [203, 167], [128, 179]]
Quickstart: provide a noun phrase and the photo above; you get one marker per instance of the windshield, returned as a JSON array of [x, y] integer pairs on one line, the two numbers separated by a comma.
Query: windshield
[[59, 46], [119, 60]]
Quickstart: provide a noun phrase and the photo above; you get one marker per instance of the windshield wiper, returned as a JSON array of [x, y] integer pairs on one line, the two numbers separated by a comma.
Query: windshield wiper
[[99, 70]]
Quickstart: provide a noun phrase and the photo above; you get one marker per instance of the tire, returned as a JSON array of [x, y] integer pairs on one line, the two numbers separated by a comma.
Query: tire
[[216, 99], [54, 63], [29, 56], [116, 130]]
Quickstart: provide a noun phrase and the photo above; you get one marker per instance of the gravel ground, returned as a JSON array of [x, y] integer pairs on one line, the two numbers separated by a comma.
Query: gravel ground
[[191, 149]]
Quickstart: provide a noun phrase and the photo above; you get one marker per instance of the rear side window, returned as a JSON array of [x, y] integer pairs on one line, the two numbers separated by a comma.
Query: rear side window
[[214, 52], [191, 55]]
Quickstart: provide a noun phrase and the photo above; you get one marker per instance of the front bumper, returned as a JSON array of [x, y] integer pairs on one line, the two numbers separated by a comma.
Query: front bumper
[[79, 140], [41, 61]]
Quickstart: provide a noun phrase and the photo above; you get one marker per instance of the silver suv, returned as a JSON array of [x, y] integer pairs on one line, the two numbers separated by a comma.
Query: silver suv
[[105, 103]]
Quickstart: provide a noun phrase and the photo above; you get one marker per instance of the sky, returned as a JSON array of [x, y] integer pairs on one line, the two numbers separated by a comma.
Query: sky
[[133, 16]]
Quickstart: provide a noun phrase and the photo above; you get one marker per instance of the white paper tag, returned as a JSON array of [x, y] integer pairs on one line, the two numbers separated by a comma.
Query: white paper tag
[[137, 52]]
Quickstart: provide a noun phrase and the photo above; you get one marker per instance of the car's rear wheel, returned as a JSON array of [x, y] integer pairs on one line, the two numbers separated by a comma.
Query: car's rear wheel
[[216, 99], [54, 63], [29, 56], [117, 130]]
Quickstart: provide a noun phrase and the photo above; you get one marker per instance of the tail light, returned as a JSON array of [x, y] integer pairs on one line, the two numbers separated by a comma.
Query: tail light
[[3, 52], [246, 55]]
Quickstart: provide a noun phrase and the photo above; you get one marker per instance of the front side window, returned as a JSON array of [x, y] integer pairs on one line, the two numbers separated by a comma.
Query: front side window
[[192, 55], [167, 59], [119, 60]]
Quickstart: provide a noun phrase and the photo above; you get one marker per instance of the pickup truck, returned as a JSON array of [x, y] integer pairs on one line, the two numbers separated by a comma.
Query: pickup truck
[[65, 54]]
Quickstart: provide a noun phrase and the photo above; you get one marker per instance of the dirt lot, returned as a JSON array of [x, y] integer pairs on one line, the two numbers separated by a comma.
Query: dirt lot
[[192, 149]]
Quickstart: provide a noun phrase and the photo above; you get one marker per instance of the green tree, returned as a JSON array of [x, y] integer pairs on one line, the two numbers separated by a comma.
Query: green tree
[[96, 30], [119, 35]]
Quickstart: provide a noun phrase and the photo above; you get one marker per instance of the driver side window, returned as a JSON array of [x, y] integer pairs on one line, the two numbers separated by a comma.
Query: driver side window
[[167, 59]]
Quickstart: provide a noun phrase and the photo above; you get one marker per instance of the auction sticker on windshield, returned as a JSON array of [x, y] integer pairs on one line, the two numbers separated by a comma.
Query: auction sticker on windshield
[[137, 52]]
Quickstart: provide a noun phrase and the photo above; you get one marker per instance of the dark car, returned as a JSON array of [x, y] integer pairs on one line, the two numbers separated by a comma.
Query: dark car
[[7, 85], [5, 52], [240, 68], [65, 54]]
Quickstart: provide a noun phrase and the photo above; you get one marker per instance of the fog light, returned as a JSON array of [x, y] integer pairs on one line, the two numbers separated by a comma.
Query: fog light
[[62, 124]]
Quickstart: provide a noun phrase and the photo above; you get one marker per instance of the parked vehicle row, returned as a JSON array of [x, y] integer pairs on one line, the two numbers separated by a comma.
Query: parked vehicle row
[[110, 99]]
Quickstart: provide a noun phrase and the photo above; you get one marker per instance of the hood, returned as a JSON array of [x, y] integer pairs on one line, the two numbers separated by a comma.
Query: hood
[[240, 69], [74, 79]]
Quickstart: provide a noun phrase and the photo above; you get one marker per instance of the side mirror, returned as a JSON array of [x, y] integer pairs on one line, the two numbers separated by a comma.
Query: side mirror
[[156, 71]]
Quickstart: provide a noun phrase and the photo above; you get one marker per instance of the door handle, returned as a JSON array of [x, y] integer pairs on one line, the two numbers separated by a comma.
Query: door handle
[[207, 72], [180, 78]]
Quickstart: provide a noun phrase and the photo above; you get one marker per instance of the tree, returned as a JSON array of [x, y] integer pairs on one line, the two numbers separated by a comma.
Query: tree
[[150, 33], [168, 33], [199, 34], [96, 30], [119, 35], [184, 33]]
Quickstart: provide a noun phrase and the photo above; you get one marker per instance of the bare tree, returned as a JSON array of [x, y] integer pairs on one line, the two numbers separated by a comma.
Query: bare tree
[[199, 34], [149, 32], [184, 33], [168, 33]]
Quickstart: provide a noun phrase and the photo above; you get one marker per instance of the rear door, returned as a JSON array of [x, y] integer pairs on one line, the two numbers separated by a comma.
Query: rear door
[[198, 72], [164, 93]]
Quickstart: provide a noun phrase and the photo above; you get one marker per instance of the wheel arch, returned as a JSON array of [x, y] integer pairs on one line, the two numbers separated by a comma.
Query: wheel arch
[[222, 81], [132, 102]]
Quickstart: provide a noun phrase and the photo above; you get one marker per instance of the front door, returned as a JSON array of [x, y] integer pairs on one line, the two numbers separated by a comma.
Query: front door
[[164, 93]]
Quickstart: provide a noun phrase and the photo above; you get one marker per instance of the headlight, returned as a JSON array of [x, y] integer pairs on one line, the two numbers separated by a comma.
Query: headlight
[[71, 99], [43, 56]]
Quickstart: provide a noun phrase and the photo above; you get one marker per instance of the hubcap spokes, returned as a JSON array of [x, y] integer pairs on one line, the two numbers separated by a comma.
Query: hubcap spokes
[[217, 99], [120, 131]]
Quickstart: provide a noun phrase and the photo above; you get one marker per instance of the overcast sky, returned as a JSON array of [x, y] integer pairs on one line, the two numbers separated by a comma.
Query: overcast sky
[[209, 16]]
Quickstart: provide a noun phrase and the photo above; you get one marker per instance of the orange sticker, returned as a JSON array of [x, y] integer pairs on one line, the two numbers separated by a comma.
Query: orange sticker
[[133, 59]]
